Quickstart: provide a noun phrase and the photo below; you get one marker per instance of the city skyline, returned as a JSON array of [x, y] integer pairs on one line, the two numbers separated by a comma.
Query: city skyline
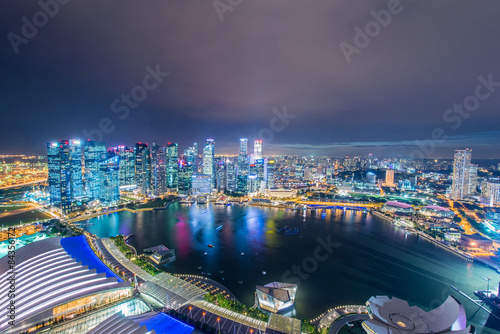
[[387, 95]]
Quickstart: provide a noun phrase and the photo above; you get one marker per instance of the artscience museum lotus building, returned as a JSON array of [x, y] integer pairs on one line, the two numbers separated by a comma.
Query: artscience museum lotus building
[[395, 316]]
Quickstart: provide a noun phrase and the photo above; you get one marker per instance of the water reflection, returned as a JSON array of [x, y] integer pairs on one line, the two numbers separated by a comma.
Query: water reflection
[[374, 257]]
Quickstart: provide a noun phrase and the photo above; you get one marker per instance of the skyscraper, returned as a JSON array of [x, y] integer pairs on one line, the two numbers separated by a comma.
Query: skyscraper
[[389, 177], [243, 170], [75, 152], [191, 155], [143, 169], [158, 169], [171, 151], [461, 174], [209, 160], [243, 146], [473, 179], [109, 181], [270, 173], [93, 152], [59, 178], [185, 177], [257, 149], [230, 175], [127, 166]]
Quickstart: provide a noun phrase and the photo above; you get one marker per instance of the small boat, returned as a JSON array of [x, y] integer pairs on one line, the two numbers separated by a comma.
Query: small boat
[[240, 282], [205, 253], [242, 254], [219, 228], [263, 273], [199, 267], [210, 246]]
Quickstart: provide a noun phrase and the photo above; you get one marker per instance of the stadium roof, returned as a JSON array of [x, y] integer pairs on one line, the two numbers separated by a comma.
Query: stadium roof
[[53, 272], [399, 205]]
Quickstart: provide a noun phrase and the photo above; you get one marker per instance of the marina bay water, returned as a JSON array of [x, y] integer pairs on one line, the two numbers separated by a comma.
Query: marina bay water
[[368, 256]]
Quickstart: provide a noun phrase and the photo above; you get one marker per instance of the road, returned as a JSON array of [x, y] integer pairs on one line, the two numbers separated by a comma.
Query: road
[[23, 184]]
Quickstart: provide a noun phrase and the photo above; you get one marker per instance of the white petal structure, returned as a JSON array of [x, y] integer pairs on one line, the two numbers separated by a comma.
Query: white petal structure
[[395, 316]]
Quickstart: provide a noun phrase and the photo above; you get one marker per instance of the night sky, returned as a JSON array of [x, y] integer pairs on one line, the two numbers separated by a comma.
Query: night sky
[[229, 68]]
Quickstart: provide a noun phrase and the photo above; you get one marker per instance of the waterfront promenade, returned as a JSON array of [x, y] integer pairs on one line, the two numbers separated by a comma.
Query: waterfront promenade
[[332, 315]]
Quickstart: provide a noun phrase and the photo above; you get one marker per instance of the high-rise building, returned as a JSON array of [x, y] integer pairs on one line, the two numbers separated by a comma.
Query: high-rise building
[[270, 173], [209, 160], [221, 174], [185, 177], [491, 192], [75, 157], [461, 174], [109, 181], [261, 175], [243, 146], [94, 152], [127, 166], [257, 149], [243, 169], [371, 178], [201, 184], [191, 155], [143, 169], [231, 175], [172, 165], [389, 177], [473, 181], [158, 169], [59, 179]]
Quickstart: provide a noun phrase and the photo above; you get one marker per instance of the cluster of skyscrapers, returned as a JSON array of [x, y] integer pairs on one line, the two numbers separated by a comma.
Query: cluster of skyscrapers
[[86, 171], [465, 180]]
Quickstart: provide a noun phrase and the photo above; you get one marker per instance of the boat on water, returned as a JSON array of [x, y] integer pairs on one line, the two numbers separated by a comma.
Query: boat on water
[[288, 230], [210, 246], [219, 228]]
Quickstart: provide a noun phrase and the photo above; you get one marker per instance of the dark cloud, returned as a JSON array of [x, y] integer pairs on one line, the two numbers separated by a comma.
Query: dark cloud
[[226, 77]]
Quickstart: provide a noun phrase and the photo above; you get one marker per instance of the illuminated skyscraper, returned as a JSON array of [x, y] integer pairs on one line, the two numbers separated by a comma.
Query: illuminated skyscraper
[[127, 166], [171, 151], [59, 179], [75, 152], [143, 169], [270, 173], [230, 175], [185, 177], [243, 146], [158, 169], [109, 181], [260, 180], [461, 174], [209, 160], [389, 177], [257, 149], [191, 155], [473, 179], [243, 170], [94, 152]]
